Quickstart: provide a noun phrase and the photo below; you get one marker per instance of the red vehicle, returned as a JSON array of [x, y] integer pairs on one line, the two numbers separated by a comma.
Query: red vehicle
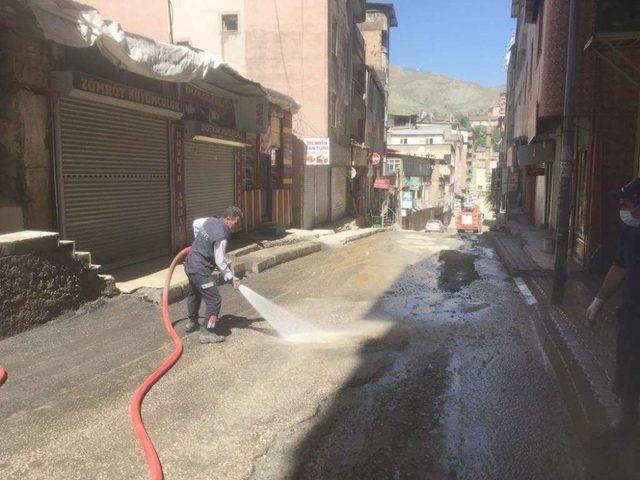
[[469, 219]]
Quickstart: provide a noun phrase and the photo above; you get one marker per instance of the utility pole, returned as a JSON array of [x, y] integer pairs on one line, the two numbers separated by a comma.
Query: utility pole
[[566, 161]]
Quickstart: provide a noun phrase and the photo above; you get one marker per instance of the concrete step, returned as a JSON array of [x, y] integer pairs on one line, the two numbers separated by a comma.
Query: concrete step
[[67, 246], [28, 241], [83, 257]]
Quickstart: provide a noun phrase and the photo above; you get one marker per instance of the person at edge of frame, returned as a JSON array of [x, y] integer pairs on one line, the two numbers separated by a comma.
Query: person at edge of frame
[[625, 270]]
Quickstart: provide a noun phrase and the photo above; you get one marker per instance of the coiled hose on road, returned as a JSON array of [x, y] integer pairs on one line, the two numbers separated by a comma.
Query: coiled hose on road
[[155, 468]]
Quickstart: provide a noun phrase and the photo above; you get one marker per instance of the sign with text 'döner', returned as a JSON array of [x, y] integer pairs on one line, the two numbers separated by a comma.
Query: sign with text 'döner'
[[318, 151]]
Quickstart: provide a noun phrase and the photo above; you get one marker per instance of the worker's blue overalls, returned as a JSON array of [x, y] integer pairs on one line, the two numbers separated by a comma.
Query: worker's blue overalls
[[199, 267]]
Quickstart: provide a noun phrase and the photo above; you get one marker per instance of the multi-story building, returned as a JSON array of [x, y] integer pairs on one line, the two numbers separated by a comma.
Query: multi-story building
[[605, 111], [441, 145], [313, 52]]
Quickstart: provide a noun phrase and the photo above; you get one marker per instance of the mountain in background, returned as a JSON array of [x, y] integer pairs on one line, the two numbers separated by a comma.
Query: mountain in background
[[412, 91]]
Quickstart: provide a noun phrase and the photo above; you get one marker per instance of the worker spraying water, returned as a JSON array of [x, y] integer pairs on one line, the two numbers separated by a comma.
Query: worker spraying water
[[207, 253]]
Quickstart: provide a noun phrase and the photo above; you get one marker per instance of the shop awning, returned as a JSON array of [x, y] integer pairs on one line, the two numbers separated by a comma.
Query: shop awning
[[75, 25]]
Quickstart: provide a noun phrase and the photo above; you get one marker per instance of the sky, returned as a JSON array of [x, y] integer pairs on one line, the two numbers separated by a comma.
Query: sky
[[466, 39]]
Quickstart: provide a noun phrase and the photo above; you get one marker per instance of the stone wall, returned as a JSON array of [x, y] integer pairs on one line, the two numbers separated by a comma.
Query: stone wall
[[25, 159]]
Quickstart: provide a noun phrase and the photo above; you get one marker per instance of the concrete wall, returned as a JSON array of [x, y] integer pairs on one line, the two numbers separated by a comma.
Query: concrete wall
[[25, 161], [149, 18], [287, 50], [340, 76], [200, 23]]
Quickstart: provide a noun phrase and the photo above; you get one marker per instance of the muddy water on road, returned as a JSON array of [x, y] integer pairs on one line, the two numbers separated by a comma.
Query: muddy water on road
[[454, 386]]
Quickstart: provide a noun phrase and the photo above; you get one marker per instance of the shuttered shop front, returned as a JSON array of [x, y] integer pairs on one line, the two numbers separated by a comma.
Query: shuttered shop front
[[115, 181], [209, 180]]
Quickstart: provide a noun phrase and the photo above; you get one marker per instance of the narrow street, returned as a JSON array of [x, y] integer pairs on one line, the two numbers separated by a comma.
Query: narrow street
[[439, 375]]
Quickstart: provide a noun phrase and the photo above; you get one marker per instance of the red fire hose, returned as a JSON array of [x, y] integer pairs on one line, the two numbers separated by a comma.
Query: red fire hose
[[155, 468]]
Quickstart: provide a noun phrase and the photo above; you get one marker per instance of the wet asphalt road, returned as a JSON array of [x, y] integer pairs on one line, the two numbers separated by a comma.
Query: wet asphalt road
[[438, 375]]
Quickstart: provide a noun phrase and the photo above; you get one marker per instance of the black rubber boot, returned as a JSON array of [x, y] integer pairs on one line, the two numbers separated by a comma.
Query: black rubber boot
[[207, 336], [191, 325], [628, 418]]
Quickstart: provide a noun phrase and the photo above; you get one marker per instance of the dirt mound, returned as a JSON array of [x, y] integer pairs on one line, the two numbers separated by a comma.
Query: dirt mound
[[37, 287]]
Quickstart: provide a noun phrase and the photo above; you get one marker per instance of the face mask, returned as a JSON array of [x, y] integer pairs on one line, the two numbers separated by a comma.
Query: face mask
[[628, 219]]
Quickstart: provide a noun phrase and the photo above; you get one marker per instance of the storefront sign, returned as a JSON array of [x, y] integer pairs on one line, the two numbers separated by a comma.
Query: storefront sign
[[214, 133], [81, 85], [383, 183], [207, 107], [178, 205], [407, 200], [318, 151], [265, 142], [375, 158]]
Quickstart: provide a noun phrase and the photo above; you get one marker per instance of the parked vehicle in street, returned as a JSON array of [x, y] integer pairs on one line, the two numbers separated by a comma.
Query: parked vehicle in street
[[469, 219], [434, 225]]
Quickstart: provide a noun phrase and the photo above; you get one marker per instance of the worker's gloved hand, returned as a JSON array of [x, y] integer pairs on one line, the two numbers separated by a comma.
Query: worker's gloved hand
[[593, 311], [236, 283]]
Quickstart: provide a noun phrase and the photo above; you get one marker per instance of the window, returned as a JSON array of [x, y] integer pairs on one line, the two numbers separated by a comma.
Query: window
[[403, 141], [391, 166], [230, 23]]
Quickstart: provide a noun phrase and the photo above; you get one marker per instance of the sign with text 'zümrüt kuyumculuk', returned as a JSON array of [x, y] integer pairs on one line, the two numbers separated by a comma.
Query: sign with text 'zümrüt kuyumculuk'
[[107, 88], [318, 151]]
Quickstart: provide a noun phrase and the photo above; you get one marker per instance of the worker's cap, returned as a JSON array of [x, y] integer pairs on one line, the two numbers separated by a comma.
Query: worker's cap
[[630, 190], [232, 211]]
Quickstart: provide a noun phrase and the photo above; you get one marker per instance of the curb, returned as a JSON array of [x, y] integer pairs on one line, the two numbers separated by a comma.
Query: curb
[[269, 259], [255, 260], [366, 234], [588, 398]]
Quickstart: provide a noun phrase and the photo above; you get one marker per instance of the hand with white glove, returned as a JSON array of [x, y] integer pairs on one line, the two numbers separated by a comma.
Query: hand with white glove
[[593, 311]]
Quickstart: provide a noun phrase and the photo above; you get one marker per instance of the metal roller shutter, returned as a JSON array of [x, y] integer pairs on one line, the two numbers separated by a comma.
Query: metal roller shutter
[[309, 198], [338, 193], [323, 177], [115, 181], [209, 180]]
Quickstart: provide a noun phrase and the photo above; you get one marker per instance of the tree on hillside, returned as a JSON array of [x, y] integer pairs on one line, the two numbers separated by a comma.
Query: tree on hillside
[[479, 136], [464, 121]]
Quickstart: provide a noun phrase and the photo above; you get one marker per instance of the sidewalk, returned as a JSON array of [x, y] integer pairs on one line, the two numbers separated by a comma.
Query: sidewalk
[[583, 358], [249, 254]]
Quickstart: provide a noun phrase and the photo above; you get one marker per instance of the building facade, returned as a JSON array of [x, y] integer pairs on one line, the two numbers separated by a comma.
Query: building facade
[[606, 122]]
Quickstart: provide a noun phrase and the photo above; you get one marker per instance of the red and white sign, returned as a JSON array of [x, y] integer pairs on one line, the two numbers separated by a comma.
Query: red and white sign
[[375, 158], [383, 183]]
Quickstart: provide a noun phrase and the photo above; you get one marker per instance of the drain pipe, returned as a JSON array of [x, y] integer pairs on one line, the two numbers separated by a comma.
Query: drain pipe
[[153, 462]]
